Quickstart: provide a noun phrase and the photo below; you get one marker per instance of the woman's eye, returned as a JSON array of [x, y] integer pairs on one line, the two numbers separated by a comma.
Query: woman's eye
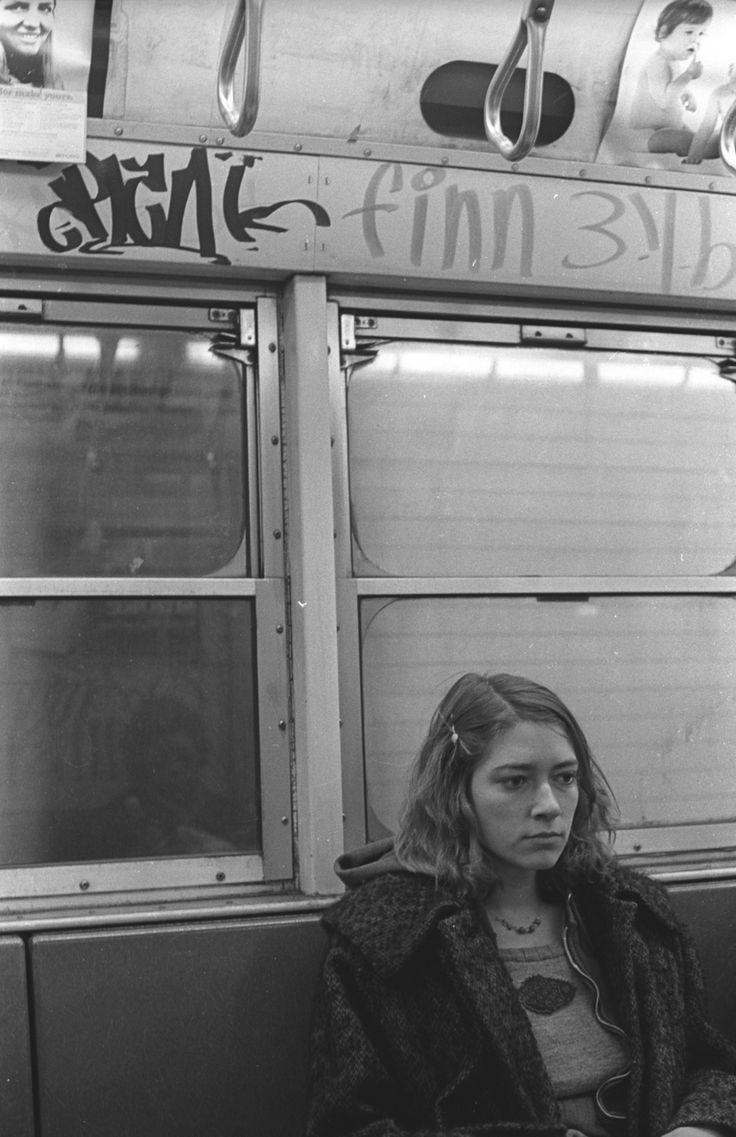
[[514, 782], [569, 778]]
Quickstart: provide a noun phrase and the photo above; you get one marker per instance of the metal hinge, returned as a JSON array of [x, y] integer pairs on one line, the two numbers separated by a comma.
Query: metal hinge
[[20, 306], [356, 348], [561, 336], [242, 318], [238, 342]]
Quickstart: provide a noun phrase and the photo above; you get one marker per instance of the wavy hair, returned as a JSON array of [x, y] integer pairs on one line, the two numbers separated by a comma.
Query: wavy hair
[[438, 833]]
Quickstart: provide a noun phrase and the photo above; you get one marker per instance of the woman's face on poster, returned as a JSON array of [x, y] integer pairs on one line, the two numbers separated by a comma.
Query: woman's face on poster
[[25, 24]]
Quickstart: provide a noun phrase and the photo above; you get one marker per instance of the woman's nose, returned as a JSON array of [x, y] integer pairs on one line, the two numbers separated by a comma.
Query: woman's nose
[[546, 803]]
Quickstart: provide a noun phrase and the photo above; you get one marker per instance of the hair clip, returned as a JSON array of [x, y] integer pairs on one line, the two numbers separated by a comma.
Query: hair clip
[[454, 736]]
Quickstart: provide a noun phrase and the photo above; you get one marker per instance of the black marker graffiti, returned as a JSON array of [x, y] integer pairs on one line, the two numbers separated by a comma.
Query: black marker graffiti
[[73, 223]]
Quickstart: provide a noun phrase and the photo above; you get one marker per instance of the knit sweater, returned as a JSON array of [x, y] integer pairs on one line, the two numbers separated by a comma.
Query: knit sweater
[[579, 1053], [419, 1030]]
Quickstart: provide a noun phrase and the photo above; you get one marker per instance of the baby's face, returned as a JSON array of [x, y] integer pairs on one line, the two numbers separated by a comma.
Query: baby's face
[[683, 41]]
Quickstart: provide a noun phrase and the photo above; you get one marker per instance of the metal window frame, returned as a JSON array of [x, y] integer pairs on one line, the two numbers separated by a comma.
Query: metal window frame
[[359, 322], [107, 881]]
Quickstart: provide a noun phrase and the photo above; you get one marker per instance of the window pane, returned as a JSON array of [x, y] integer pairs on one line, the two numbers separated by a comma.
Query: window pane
[[474, 460], [122, 453], [127, 729], [651, 680]]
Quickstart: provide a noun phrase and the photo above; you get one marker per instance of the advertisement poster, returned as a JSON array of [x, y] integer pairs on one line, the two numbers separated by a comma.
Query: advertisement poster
[[45, 51], [677, 82]]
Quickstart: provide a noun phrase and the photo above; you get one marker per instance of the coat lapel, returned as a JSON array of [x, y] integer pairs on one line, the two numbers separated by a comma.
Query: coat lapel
[[484, 987], [610, 926]]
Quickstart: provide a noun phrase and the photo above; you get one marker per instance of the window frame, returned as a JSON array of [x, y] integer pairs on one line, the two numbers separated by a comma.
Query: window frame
[[360, 323], [254, 319]]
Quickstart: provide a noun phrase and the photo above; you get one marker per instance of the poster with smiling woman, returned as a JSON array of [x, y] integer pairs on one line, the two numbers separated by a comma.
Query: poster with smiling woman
[[45, 51], [677, 82]]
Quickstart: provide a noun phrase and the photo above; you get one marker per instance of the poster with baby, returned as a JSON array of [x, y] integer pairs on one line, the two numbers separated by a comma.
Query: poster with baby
[[45, 52], [677, 82]]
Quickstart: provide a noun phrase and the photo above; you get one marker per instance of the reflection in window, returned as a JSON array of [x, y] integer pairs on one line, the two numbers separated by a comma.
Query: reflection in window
[[650, 678], [474, 460], [127, 729], [122, 453]]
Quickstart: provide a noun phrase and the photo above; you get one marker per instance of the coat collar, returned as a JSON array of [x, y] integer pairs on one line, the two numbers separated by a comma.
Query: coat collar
[[390, 916]]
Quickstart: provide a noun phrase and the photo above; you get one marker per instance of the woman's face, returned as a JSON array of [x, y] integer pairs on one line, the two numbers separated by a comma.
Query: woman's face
[[524, 794], [25, 24]]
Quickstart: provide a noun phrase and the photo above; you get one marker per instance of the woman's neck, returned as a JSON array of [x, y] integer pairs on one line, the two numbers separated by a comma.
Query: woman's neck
[[519, 915]]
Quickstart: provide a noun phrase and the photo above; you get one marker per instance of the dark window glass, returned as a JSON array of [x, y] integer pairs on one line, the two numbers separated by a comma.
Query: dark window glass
[[127, 729], [122, 453], [452, 101]]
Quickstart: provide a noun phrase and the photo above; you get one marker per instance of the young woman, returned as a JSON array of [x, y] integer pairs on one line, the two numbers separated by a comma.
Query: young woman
[[494, 971], [26, 35]]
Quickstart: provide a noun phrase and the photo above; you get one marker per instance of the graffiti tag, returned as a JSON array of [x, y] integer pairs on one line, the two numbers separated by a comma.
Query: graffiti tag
[[75, 222]]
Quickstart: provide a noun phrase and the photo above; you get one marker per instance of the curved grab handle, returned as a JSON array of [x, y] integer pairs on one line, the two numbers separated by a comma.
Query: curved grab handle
[[245, 26], [532, 31], [727, 145]]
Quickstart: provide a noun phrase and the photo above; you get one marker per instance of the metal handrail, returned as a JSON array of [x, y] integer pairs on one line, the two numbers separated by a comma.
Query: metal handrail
[[531, 32], [245, 26], [727, 145]]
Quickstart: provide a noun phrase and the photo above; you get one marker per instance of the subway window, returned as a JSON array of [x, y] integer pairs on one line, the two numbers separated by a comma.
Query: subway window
[[137, 694], [556, 502]]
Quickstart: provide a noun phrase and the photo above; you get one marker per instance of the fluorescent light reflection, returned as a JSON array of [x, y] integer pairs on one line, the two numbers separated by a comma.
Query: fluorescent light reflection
[[460, 362], [81, 349], [199, 355], [647, 374], [540, 368], [29, 345], [706, 377], [127, 350]]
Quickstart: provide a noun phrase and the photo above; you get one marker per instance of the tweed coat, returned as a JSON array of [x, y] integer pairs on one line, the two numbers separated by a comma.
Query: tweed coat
[[418, 1029]]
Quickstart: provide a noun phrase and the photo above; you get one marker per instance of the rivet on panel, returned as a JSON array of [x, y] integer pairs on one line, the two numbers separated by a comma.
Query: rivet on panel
[[282, 724], [297, 146], [367, 152], [203, 138], [284, 820], [220, 140], [279, 629], [220, 876], [118, 130], [274, 439], [84, 885], [277, 534]]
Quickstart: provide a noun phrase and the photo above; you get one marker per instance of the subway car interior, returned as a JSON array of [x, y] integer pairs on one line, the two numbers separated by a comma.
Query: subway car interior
[[288, 235]]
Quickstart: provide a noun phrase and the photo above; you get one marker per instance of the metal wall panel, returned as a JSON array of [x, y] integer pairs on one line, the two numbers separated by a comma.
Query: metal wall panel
[[709, 912], [16, 1090], [176, 1031]]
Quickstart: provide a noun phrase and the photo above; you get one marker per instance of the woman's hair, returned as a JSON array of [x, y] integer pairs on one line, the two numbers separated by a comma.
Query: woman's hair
[[682, 12], [438, 832]]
